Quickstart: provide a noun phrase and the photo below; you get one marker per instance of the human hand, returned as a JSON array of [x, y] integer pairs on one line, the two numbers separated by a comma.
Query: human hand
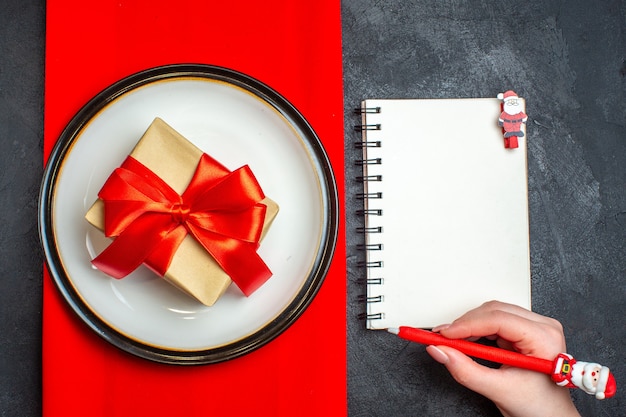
[[516, 392]]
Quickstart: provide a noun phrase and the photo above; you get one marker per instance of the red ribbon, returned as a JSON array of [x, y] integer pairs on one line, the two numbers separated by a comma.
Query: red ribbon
[[149, 220]]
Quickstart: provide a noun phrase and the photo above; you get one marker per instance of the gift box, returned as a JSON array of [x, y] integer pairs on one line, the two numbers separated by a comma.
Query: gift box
[[209, 243]]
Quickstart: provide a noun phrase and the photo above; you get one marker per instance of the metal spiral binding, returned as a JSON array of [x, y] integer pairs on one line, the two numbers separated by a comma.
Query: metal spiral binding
[[374, 264], [371, 161], [377, 229], [360, 128], [366, 144], [375, 299], [369, 178], [369, 196], [370, 246], [369, 300], [369, 212], [362, 110], [366, 196]]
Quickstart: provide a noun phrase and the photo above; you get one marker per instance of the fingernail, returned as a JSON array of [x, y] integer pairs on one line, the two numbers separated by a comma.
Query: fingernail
[[441, 327], [437, 354]]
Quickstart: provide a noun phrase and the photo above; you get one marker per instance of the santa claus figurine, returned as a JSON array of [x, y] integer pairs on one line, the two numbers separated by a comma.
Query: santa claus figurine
[[591, 377], [512, 118]]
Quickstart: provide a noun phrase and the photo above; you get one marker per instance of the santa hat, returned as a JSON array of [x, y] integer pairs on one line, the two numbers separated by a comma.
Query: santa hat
[[510, 94], [606, 384]]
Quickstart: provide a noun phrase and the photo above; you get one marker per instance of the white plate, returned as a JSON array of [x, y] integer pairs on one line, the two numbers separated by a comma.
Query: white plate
[[238, 121]]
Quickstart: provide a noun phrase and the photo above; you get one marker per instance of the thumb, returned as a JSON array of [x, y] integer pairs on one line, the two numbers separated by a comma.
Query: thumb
[[465, 371]]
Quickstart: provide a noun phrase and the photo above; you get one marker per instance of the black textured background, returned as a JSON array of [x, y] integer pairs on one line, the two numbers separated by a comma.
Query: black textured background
[[567, 58], [22, 39]]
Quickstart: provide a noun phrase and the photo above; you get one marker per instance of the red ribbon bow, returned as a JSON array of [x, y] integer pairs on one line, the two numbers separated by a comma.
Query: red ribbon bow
[[149, 220]]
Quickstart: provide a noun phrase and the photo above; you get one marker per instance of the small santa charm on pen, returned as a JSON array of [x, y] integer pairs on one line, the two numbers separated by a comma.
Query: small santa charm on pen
[[512, 118], [592, 378]]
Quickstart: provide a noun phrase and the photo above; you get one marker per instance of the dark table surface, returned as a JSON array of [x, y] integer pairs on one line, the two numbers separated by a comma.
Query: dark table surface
[[568, 59]]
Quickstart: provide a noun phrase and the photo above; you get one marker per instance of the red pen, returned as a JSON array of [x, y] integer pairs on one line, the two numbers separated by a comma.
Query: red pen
[[565, 371]]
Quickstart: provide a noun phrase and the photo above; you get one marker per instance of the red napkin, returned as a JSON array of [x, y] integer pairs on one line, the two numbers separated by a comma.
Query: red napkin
[[294, 47]]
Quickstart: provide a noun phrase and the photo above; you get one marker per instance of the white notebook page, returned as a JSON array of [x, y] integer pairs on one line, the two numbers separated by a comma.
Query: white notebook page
[[454, 211]]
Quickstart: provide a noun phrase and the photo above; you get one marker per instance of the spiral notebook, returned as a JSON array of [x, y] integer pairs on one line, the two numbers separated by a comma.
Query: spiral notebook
[[446, 210]]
